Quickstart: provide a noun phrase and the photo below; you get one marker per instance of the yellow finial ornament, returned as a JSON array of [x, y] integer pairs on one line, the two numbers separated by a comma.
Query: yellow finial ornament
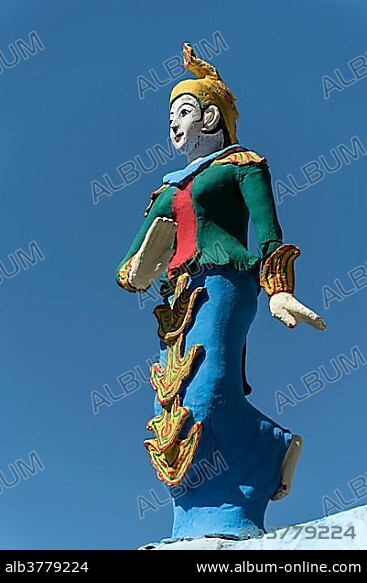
[[208, 88]]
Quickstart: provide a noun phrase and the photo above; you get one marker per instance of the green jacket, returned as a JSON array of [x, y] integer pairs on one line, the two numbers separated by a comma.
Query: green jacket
[[225, 194]]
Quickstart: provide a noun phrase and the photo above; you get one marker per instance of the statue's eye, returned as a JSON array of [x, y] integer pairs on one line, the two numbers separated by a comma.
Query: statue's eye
[[184, 112]]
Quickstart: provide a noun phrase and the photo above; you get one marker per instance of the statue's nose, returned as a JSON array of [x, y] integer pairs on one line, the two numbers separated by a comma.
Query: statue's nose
[[174, 128]]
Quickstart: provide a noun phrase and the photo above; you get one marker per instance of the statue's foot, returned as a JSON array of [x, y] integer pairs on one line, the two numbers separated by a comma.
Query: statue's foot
[[288, 468]]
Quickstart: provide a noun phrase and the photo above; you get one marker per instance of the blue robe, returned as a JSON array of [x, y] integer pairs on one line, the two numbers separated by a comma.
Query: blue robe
[[237, 466]]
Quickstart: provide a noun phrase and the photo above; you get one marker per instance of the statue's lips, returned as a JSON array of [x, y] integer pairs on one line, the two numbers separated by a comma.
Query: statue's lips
[[178, 137]]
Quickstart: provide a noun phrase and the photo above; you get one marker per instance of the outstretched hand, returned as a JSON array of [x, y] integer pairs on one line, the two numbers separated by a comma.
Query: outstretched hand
[[290, 311], [154, 254]]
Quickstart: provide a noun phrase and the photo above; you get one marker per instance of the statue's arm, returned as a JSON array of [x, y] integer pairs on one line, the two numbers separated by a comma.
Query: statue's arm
[[149, 253], [255, 184], [277, 272]]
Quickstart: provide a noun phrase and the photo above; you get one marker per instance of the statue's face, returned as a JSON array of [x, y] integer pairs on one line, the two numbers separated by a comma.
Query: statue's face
[[189, 124], [186, 123]]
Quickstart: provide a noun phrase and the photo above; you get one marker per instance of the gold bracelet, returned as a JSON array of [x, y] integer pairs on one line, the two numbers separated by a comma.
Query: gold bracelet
[[123, 275], [277, 274]]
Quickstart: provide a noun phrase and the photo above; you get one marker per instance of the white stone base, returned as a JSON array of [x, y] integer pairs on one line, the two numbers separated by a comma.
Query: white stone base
[[356, 517]]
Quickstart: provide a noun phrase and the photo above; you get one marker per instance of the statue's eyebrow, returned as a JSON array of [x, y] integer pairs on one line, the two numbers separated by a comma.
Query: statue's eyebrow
[[186, 103]]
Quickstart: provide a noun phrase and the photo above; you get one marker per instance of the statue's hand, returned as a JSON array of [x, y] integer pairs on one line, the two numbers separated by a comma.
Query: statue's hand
[[154, 254], [290, 311]]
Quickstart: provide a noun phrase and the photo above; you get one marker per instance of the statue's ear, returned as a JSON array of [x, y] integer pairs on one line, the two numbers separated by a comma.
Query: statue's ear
[[211, 118]]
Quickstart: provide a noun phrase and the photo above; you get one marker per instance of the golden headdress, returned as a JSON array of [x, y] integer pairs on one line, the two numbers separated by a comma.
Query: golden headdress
[[208, 88]]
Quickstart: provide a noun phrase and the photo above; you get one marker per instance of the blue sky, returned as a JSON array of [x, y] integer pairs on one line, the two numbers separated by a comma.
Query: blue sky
[[71, 113]]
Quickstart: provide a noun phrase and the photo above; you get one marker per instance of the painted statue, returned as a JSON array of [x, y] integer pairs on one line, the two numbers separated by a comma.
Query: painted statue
[[194, 239]]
